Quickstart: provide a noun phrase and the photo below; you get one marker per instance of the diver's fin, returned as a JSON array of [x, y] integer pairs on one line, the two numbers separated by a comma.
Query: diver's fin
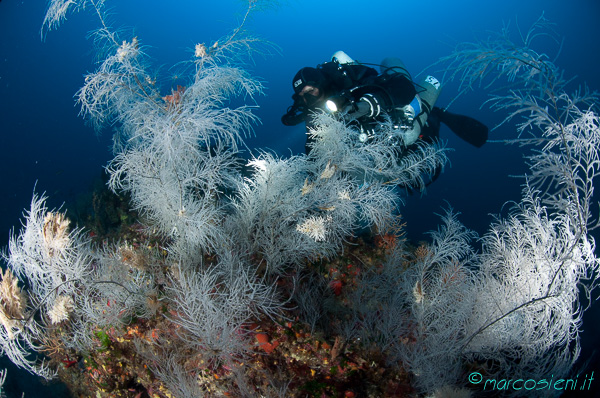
[[470, 130]]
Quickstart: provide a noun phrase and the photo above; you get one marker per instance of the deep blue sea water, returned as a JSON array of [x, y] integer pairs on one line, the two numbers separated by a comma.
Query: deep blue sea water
[[44, 144]]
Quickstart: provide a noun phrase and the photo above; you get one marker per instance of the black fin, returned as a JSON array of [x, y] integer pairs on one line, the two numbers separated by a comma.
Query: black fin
[[470, 130]]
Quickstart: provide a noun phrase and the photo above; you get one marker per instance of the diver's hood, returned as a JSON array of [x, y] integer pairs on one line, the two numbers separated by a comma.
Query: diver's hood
[[308, 77]]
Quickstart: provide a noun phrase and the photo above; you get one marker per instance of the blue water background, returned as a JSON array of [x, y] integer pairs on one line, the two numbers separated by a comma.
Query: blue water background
[[44, 144]]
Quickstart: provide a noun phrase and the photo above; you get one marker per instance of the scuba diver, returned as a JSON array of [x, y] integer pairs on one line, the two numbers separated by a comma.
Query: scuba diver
[[366, 98]]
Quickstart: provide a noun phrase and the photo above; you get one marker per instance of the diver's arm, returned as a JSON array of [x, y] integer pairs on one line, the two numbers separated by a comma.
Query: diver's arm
[[295, 114]]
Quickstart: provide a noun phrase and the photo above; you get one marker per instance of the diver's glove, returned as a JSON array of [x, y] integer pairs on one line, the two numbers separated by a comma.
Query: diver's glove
[[408, 121], [405, 116]]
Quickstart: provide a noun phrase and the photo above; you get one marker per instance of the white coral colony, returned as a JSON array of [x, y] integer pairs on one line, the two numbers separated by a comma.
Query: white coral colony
[[225, 260]]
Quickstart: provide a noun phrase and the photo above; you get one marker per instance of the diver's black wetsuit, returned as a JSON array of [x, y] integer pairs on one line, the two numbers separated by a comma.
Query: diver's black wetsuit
[[393, 85], [352, 81]]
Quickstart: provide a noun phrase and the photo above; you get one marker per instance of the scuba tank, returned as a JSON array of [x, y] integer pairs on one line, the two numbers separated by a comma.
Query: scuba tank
[[421, 107], [342, 58]]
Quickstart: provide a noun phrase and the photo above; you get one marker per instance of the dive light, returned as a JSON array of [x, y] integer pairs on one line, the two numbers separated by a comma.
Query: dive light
[[369, 105]]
